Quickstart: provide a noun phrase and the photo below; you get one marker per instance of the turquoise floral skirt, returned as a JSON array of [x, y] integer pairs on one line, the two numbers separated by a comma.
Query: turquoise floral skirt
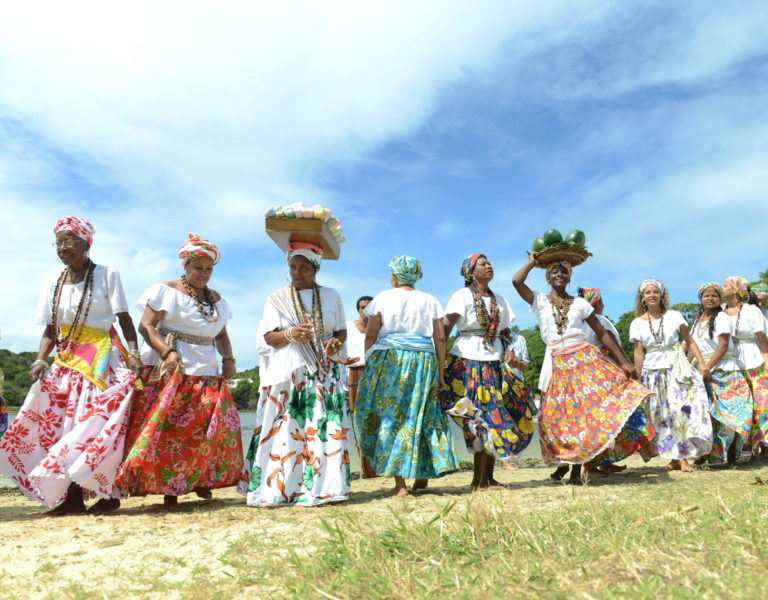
[[398, 418]]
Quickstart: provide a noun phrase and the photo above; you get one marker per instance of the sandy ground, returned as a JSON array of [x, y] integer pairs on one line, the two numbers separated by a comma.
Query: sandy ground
[[142, 533]]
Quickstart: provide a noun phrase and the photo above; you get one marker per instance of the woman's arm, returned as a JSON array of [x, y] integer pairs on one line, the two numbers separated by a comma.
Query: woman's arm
[[277, 338], [148, 330], [693, 348], [47, 343], [606, 339], [129, 333], [762, 343], [519, 279], [722, 348], [438, 337], [639, 356], [372, 331], [448, 323], [224, 348]]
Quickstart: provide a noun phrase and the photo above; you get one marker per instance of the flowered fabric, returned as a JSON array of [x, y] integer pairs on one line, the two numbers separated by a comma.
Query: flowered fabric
[[184, 434], [406, 269], [493, 407], [298, 453], [90, 354], [636, 436], [730, 406], [196, 247], [591, 295], [468, 266], [679, 412], [314, 254], [69, 431], [587, 404], [398, 418], [80, 227], [3, 416], [740, 284], [711, 284], [758, 382]]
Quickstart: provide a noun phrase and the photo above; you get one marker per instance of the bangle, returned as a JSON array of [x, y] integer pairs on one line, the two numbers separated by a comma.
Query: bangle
[[165, 354], [39, 361], [289, 335], [134, 354], [228, 358]]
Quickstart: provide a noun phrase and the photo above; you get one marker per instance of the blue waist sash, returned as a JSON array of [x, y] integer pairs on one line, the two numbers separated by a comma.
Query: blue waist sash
[[406, 341]]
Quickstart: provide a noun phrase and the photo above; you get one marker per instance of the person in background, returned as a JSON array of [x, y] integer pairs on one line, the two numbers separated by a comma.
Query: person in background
[[760, 290]]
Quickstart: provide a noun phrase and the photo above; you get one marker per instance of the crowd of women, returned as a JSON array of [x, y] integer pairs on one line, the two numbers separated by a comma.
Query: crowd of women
[[108, 421]]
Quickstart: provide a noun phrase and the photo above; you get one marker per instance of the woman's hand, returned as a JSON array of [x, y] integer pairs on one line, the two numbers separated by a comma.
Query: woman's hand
[[332, 346], [172, 362], [135, 365], [510, 359], [441, 385], [228, 369], [351, 360], [37, 372], [706, 373], [629, 370]]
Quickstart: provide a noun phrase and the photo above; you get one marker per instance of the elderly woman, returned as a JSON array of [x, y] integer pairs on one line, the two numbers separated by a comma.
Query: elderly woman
[[299, 451], [680, 407], [482, 394], [399, 422], [185, 431], [730, 399], [586, 400], [748, 330], [67, 440]]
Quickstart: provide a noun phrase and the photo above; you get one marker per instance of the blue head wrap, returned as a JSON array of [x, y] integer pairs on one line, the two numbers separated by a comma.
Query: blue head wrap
[[405, 269]]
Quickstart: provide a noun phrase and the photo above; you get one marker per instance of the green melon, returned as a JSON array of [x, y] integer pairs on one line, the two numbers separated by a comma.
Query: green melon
[[576, 236], [538, 244], [552, 237]]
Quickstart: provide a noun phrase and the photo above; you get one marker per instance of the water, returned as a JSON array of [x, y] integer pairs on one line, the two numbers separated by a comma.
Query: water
[[248, 419]]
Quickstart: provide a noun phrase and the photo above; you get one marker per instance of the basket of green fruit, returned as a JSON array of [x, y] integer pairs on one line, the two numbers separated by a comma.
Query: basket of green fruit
[[552, 246]]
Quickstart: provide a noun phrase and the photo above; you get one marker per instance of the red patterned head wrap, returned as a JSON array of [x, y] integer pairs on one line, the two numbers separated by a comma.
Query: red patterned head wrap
[[197, 247], [80, 227]]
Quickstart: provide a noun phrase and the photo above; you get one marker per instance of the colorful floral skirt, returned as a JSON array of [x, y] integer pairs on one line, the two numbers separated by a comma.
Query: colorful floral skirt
[[730, 405], [679, 413], [184, 434], [299, 453], [758, 382], [398, 419], [3, 417], [69, 431], [586, 407], [636, 436], [493, 407]]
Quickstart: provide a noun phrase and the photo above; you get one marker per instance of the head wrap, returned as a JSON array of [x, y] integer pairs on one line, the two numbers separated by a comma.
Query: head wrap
[[468, 266], [760, 288], [314, 254], [646, 282], [591, 295], [740, 284], [197, 247], [405, 269], [558, 263], [710, 284], [80, 227]]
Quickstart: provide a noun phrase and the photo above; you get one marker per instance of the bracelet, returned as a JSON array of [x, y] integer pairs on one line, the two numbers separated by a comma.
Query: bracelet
[[165, 354], [289, 336], [134, 354], [39, 361], [228, 358]]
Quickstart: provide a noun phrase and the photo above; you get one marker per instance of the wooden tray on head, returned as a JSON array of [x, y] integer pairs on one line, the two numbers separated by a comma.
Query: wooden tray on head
[[311, 231], [572, 254]]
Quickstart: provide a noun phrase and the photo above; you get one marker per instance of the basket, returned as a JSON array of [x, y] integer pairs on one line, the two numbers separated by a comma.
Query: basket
[[575, 255], [284, 230]]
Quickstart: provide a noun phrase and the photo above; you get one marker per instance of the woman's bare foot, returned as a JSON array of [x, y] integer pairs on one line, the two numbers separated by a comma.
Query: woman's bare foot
[[685, 467], [170, 501], [559, 473], [204, 493], [701, 460], [400, 490], [674, 465], [612, 468], [577, 480], [104, 506], [592, 473], [67, 508], [420, 484], [509, 466], [731, 456]]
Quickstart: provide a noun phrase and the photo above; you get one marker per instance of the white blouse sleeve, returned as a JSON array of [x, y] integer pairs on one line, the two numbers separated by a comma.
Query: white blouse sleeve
[[374, 306], [757, 320], [634, 331], [722, 325], [224, 309], [436, 308], [584, 308], [509, 313], [338, 311], [44, 315], [677, 320], [117, 300], [158, 297], [457, 304], [538, 299]]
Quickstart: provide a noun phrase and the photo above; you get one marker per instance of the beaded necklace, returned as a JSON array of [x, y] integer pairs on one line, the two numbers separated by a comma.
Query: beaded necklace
[[316, 318], [63, 344], [658, 336], [488, 321], [560, 308], [736, 328], [207, 307]]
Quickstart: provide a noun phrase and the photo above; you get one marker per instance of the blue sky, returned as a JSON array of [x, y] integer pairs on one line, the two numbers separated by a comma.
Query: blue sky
[[436, 129]]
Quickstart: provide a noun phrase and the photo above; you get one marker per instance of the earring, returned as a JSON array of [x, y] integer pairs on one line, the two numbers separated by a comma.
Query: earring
[[644, 305]]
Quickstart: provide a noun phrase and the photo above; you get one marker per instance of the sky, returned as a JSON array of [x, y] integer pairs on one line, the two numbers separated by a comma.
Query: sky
[[435, 129]]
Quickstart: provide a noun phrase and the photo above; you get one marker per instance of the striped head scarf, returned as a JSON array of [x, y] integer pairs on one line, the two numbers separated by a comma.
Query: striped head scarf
[[558, 263], [740, 284], [591, 295], [80, 227], [710, 284], [468, 266], [314, 254], [197, 247], [405, 269], [760, 288], [655, 282]]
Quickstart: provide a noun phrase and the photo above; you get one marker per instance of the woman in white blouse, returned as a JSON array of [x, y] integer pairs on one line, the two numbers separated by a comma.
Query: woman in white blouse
[[493, 407], [70, 432], [730, 397], [185, 429], [680, 406], [748, 331], [586, 400], [400, 426]]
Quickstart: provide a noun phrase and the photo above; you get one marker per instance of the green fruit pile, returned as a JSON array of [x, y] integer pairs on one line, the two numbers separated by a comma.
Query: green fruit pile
[[552, 237]]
